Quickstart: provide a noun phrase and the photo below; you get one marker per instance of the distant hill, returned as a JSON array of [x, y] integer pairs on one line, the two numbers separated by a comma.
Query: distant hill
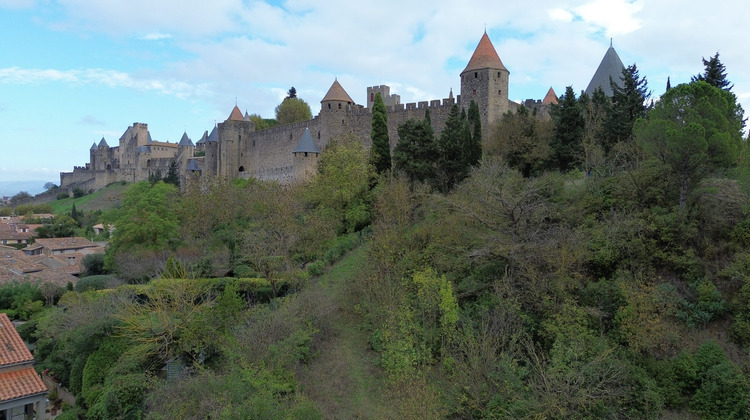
[[11, 188], [108, 198]]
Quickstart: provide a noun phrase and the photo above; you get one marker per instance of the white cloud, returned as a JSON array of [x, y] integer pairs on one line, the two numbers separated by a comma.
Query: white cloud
[[560, 14], [104, 77], [156, 36]]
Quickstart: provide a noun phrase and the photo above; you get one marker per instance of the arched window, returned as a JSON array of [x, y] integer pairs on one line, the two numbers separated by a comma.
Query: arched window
[[242, 169], [339, 106]]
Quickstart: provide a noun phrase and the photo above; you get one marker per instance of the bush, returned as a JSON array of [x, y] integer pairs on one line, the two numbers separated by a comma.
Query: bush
[[62, 196], [316, 268], [97, 283], [78, 192], [93, 265]]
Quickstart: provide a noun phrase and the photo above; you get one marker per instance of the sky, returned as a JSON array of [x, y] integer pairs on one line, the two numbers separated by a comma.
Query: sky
[[74, 71]]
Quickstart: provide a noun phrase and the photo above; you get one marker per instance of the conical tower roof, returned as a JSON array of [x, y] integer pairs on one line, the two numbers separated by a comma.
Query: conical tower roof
[[484, 57], [185, 140], [93, 146], [337, 93], [236, 115], [550, 98], [204, 138], [214, 136], [611, 66], [103, 143], [306, 143]]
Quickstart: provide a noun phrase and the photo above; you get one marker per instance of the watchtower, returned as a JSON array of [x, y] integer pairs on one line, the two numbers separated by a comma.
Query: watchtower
[[485, 81]]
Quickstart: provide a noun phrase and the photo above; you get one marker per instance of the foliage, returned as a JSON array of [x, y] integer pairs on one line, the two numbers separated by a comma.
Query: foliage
[[292, 110], [96, 282], [416, 151], [452, 164], [93, 264], [172, 176], [567, 140], [21, 300], [19, 198], [715, 73], [523, 140], [63, 226], [696, 130], [628, 104], [380, 152]]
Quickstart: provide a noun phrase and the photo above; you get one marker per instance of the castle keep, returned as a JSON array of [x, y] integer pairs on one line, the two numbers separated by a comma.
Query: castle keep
[[286, 153]]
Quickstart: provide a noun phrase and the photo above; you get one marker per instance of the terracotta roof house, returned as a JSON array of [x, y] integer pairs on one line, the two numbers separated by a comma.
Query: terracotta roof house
[[22, 393], [12, 231], [55, 246]]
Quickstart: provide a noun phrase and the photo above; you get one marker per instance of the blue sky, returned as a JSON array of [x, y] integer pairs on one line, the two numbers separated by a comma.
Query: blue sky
[[74, 71]]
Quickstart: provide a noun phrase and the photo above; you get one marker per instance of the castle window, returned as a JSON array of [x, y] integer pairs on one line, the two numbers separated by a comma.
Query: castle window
[[339, 106], [342, 122], [329, 106], [305, 154], [499, 92], [372, 97], [476, 75], [498, 74], [474, 92], [318, 135], [290, 136]]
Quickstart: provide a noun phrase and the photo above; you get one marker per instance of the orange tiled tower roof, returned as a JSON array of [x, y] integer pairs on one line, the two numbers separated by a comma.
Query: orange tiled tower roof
[[550, 97], [236, 115], [485, 56], [337, 93]]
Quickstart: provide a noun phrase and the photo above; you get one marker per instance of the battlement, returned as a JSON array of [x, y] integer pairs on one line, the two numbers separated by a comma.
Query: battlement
[[385, 93]]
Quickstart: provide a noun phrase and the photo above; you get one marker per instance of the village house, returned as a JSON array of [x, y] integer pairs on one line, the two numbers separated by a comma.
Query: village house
[[23, 395]]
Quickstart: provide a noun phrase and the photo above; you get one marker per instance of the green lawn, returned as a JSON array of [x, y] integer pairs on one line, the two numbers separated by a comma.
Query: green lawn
[[104, 199]]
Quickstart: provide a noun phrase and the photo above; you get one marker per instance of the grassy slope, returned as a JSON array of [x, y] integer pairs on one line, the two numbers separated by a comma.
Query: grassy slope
[[343, 380], [105, 199]]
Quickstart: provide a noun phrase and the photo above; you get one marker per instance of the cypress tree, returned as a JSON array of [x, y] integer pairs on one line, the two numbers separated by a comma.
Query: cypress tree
[[380, 154], [628, 104], [416, 152], [451, 167], [473, 151]]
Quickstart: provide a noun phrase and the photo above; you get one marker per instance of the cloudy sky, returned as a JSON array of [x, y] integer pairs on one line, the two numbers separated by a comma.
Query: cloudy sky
[[74, 71]]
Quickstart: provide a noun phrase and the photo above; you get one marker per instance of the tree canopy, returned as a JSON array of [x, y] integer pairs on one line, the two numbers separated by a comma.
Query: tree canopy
[[292, 110], [715, 74]]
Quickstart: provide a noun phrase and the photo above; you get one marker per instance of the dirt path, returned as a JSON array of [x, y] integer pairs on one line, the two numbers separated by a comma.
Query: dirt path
[[343, 380]]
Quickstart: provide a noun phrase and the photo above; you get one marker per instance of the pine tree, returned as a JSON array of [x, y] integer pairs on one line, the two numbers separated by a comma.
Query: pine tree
[[669, 84], [567, 142], [715, 74], [628, 104], [380, 154], [292, 94], [416, 152]]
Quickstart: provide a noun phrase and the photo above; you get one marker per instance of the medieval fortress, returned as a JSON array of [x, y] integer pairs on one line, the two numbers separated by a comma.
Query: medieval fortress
[[288, 153]]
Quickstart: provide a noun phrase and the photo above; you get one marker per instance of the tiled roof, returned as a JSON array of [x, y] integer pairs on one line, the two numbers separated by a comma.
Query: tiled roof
[[484, 57], [236, 115], [20, 383], [55, 244], [12, 349], [193, 165], [306, 143], [337, 93], [611, 66], [550, 97], [143, 149]]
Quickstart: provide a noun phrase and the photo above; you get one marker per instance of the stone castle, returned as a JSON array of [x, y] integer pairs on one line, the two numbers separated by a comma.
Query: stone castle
[[288, 153]]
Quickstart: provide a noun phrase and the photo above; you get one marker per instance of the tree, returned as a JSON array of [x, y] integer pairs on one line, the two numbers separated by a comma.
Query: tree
[[173, 176], [146, 222], [49, 185], [292, 93], [596, 111], [567, 141], [415, 153], [696, 128], [451, 165], [715, 73], [64, 226], [342, 184], [380, 153], [473, 146], [522, 140], [262, 123], [293, 110], [628, 104], [19, 198]]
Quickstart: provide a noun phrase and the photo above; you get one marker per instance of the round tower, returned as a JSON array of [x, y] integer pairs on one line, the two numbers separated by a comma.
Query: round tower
[[333, 110], [485, 81]]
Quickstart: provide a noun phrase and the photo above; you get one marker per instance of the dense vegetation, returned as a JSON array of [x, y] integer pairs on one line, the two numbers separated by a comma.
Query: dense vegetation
[[591, 266]]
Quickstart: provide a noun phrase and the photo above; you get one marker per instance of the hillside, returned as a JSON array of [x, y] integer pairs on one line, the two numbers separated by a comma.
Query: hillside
[[105, 199]]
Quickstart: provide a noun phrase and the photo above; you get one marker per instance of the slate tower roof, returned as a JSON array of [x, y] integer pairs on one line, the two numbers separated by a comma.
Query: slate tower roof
[[611, 66], [484, 57], [306, 143], [185, 140]]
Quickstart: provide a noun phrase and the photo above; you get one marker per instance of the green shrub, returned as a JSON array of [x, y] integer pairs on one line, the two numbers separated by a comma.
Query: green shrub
[[316, 268], [723, 391], [78, 192], [62, 196], [97, 283], [244, 270]]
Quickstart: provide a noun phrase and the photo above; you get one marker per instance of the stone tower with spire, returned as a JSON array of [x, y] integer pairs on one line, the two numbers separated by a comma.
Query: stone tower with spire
[[485, 81]]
